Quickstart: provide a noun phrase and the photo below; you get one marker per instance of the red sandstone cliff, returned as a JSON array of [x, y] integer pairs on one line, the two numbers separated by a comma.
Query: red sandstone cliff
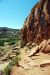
[[37, 24]]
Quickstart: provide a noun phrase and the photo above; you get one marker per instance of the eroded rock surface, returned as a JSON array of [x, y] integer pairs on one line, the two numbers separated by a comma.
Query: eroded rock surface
[[37, 24]]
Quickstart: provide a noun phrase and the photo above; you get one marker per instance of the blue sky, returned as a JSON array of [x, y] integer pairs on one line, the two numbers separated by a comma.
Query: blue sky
[[14, 12]]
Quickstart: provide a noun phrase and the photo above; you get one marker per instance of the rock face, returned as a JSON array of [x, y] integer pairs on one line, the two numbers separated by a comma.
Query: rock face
[[46, 47], [37, 24]]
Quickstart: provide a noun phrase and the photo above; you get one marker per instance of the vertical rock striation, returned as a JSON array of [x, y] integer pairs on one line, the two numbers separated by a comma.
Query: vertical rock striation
[[37, 24]]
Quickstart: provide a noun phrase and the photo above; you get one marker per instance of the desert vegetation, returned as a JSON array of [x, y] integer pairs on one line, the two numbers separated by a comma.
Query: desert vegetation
[[13, 62]]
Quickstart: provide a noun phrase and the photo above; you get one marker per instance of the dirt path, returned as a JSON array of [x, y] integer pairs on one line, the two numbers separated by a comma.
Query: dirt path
[[33, 71], [31, 65]]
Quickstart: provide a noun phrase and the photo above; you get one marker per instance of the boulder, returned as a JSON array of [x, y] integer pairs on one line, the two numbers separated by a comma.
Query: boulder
[[34, 50], [46, 49], [45, 63], [42, 45]]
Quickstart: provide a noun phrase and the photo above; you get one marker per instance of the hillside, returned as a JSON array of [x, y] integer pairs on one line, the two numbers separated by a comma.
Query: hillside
[[8, 32]]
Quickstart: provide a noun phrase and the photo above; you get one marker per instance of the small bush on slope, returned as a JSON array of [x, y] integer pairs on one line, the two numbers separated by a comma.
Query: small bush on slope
[[12, 43], [1, 43], [11, 64]]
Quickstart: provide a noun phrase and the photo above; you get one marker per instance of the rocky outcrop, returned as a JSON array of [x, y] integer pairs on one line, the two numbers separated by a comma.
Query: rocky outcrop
[[46, 47], [34, 51], [37, 24], [43, 47], [45, 63]]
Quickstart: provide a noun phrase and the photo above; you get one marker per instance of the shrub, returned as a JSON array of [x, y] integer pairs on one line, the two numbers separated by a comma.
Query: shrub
[[1, 43], [12, 43], [13, 62]]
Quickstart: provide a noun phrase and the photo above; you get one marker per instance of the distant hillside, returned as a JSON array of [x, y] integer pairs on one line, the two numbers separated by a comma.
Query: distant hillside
[[8, 32]]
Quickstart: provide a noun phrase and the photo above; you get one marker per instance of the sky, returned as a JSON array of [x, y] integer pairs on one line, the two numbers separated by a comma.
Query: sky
[[14, 12]]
